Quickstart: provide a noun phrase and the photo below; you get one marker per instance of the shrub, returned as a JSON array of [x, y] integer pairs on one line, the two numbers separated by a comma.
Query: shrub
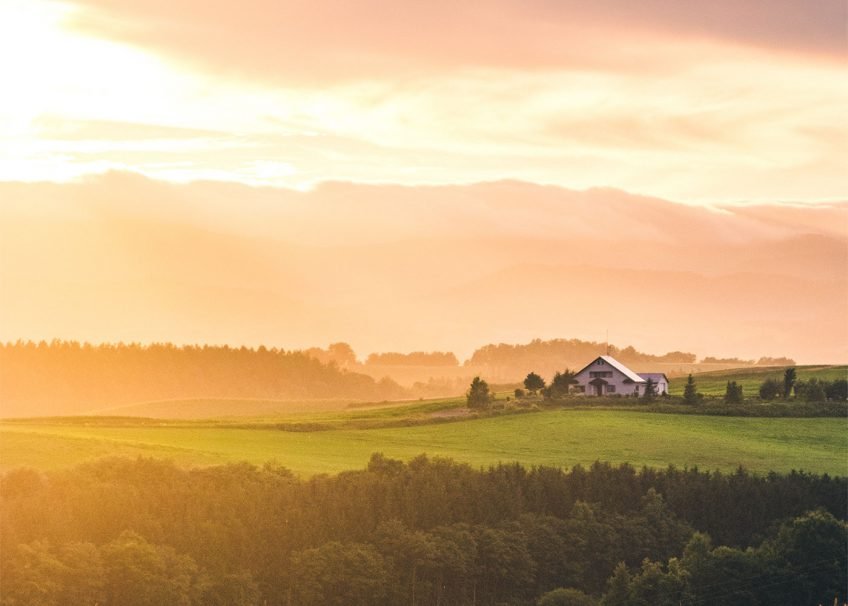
[[770, 389]]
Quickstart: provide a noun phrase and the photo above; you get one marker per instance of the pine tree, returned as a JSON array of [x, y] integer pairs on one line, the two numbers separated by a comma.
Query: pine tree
[[733, 393], [650, 391], [690, 392]]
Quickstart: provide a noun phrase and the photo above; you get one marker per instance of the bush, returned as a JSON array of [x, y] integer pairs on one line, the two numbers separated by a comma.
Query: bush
[[837, 390], [770, 389]]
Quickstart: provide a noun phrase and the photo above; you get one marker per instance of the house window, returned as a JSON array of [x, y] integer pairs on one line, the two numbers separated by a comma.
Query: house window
[[610, 388], [600, 374]]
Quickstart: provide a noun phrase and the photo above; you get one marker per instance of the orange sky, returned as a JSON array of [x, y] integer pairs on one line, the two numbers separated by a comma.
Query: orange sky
[[699, 102], [184, 169]]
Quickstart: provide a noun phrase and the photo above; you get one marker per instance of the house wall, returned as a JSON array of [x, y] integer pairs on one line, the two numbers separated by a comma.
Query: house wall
[[616, 379]]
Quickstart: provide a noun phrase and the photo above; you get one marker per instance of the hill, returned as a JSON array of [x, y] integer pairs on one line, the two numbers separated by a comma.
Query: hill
[[438, 268], [557, 437], [714, 383]]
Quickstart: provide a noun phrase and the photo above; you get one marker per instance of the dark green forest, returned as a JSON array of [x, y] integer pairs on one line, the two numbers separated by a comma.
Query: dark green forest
[[66, 377], [428, 532]]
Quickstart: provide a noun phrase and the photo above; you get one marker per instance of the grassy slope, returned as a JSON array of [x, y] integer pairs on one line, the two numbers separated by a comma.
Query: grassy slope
[[560, 437], [715, 383], [709, 383]]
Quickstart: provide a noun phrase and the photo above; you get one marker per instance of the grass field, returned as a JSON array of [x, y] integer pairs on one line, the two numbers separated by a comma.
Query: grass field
[[715, 383], [556, 437]]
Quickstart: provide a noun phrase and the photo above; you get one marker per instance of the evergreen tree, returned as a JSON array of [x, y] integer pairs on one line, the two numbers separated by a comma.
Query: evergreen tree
[[733, 393], [650, 391], [690, 392]]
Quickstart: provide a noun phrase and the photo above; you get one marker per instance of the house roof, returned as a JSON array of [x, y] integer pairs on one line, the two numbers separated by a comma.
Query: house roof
[[618, 366], [654, 376]]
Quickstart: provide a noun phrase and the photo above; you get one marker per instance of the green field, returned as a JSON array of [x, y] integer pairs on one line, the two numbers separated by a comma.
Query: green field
[[555, 437], [750, 378]]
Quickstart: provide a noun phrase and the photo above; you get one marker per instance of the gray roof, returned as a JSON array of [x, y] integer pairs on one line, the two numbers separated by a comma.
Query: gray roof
[[618, 366], [654, 376]]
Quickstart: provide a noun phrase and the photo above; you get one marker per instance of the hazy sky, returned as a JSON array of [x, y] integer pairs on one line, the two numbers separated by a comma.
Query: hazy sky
[[297, 172], [726, 100]]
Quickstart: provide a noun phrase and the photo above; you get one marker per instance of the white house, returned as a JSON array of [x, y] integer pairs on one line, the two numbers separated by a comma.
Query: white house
[[607, 376]]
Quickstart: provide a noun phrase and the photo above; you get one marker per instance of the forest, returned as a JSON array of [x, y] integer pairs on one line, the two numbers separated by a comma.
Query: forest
[[427, 532], [66, 377]]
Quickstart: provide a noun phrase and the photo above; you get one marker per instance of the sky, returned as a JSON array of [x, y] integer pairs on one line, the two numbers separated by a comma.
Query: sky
[[407, 175], [698, 102]]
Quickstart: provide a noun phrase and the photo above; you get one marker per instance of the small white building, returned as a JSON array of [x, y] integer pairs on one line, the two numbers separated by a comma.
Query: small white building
[[606, 376]]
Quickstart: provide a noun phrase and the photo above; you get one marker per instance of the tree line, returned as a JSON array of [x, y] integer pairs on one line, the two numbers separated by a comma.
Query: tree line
[[427, 532], [67, 377]]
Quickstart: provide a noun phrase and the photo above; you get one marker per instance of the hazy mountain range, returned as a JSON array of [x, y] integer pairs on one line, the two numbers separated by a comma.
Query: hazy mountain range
[[401, 268]]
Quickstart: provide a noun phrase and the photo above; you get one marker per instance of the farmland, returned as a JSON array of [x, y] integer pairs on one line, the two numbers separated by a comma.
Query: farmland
[[554, 437], [750, 378]]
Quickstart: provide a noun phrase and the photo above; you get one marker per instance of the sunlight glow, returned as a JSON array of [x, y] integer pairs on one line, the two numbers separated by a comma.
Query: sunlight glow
[[711, 122]]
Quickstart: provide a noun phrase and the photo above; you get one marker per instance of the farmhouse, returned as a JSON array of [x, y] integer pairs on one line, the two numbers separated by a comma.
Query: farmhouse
[[607, 376]]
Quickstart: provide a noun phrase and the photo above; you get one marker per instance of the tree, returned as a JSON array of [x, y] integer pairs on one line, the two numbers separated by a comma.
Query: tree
[[837, 390], [650, 391], [566, 597], [342, 354], [478, 395], [733, 393], [618, 587], [690, 393], [814, 537], [789, 378], [770, 389], [814, 391], [561, 383], [339, 574], [138, 573], [533, 383]]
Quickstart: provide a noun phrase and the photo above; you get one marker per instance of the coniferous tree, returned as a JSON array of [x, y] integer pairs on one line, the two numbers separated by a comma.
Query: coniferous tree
[[733, 393], [650, 391], [690, 392]]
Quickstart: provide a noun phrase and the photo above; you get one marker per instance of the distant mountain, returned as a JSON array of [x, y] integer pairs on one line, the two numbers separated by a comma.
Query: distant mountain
[[391, 268]]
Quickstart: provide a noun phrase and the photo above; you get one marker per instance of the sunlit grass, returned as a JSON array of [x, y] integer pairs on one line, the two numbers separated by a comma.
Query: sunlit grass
[[715, 383], [559, 437]]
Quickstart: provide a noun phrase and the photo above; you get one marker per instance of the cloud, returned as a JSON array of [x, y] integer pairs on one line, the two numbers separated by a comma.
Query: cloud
[[57, 127], [326, 40]]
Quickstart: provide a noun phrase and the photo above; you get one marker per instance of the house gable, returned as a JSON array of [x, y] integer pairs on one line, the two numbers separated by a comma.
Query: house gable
[[606, 375]]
